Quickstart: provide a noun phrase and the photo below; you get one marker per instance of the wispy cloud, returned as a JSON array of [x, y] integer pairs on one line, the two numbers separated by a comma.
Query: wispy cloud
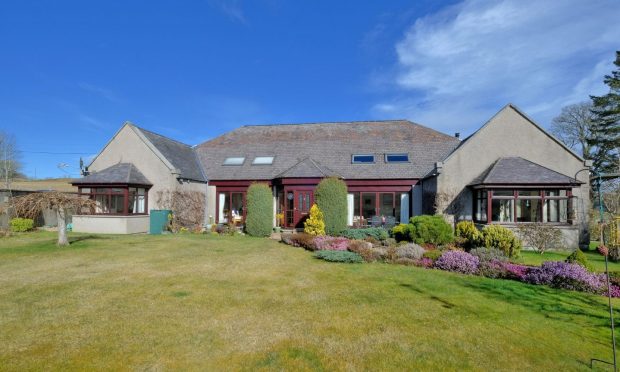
[[231, 8], [92, 123], [100, 91], [457, 67]]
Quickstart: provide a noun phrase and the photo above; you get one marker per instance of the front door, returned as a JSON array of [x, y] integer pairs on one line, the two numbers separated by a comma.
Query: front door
[[302, 202]]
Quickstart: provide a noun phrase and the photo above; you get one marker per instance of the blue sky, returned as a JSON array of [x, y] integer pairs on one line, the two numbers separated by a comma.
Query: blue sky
[[74, 71]]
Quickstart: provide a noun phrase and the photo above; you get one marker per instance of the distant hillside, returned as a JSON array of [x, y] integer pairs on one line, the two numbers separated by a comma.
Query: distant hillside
[[56, 184]]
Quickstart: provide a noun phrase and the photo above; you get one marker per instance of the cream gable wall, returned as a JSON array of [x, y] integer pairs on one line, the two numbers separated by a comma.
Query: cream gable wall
[[127, 147], [509, 133]]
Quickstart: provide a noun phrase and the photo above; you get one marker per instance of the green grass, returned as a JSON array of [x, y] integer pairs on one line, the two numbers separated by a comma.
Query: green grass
[[191, 302], [597, 261]]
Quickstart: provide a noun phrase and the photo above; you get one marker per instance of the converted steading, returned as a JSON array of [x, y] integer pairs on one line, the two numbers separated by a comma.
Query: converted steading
[[509, 172]]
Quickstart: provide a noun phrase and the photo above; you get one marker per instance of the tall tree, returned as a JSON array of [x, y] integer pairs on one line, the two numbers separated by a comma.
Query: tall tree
[[10, 165], [605, 137], [574, 127]]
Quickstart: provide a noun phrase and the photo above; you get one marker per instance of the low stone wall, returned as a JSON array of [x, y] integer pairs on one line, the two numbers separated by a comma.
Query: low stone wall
[[570, 235], [102, 224]]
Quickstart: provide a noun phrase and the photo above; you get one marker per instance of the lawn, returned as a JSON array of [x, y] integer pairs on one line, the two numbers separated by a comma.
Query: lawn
[[193, 302]]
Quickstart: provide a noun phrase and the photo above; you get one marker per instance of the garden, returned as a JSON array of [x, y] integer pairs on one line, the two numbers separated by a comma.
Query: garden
[[429, 242]]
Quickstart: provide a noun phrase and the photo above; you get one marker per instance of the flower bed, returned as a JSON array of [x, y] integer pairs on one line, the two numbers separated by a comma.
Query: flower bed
[[491, 263]]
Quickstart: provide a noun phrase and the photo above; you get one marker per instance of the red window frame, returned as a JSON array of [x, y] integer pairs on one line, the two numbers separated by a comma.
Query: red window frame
[[515, 197], [92, 194]]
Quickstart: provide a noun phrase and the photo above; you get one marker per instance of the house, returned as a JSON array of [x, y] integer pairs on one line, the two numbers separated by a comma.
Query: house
[[510, 171]]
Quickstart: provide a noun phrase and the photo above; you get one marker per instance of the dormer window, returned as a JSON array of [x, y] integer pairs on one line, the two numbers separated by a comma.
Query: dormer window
[[396, 158], [234, 161], [263, 160], [362, 158]]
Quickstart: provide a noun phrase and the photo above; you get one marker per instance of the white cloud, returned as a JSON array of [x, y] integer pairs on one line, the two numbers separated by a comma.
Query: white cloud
[[456, 68]]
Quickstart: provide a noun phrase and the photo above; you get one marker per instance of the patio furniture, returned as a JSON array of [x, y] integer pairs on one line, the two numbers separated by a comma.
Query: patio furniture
[[390, 221], [376, 221]]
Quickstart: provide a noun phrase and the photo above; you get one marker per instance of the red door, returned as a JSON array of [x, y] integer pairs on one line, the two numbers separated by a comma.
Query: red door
[[302, 202]]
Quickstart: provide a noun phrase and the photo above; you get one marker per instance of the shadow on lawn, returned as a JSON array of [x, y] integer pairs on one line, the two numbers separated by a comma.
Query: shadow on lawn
[[445, 303], [81, 238], [586, 312]]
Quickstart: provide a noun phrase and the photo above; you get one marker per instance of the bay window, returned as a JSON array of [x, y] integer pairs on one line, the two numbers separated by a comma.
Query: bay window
[[522, 205], [117, 200]]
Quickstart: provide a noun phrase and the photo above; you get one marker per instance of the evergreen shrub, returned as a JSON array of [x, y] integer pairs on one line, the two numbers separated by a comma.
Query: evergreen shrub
[[331, 197], [259, 218]]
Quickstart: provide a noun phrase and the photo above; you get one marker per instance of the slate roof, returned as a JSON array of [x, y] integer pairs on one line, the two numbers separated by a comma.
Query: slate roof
[[123, 173], [307, 168], [180, 155], [329, 146], [516, 170]]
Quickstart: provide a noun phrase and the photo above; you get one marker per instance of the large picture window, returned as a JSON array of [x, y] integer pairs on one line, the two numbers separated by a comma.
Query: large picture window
[[120, 200], [231, 207], [522, 205], [367, 205]]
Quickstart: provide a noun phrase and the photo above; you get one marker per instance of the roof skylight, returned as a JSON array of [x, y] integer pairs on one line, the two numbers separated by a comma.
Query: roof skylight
[[362, 158], [263, 160], [396, 158], [234, 161]]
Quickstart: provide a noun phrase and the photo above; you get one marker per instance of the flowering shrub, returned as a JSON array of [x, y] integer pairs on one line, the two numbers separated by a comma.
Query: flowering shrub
[[458, 261], [492, 262], [303, 240], [425, 262], [516, 272], [330, 243], [565, 275], [614, 289]]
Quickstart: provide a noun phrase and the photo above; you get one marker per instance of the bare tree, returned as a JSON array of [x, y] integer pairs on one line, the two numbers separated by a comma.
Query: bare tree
[[610, 195], [188, 208], [9, 158], [541, 237], [31, 206], [574, 127]]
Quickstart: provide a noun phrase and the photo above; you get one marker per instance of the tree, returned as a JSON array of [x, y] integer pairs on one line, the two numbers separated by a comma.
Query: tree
[[540, 236], [331, 197], [10, 165], [188, 208], [574, 127], [259, 218], [31, 206], [606, 129]]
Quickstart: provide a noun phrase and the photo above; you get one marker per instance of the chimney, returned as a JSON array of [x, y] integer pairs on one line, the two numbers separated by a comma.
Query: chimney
[[457, 135]]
